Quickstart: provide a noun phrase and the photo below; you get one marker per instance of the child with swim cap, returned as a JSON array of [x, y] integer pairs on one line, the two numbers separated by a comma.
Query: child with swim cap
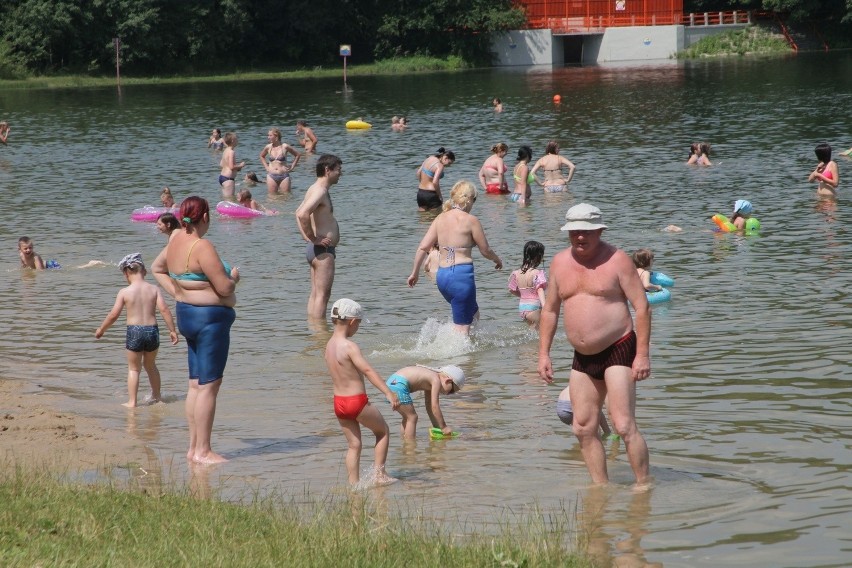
[[433, 382], [347, 367], [143, 336], [565, 412], [742, 213]]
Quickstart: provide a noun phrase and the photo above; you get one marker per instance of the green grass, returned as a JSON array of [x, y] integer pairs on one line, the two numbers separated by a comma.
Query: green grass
[[44, 522], [752, 40], [414, 64]]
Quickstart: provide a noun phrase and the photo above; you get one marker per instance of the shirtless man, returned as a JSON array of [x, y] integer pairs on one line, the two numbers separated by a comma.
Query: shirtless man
[[315, 217], [593, 281]]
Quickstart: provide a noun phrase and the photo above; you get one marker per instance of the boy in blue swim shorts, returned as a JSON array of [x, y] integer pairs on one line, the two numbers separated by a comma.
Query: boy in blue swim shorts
[[433, 383], [142, 340]]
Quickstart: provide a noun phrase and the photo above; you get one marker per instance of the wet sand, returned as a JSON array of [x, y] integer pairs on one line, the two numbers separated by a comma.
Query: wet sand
[[35, 433]]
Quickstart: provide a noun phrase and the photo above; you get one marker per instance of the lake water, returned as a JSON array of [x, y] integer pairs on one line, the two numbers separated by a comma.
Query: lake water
[[746, 413]]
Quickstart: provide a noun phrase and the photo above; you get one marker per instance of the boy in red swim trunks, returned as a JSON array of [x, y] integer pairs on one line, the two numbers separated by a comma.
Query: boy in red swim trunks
[[347, 367]]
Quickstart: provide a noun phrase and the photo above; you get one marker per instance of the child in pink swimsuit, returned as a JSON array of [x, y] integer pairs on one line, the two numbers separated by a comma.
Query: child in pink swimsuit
[[529, 282]]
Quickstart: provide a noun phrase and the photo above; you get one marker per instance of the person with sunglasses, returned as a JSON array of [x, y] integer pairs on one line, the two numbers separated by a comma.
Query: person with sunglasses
[[433, 382]]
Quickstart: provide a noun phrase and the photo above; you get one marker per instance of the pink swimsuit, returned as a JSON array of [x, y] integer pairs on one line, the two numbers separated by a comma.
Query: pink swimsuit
[[528, 301]]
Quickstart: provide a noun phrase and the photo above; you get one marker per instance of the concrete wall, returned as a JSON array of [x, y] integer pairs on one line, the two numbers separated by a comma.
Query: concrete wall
[[640, 43], [526, 47]]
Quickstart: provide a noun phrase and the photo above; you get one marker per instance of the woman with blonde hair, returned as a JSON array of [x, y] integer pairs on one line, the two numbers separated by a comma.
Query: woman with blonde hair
[[274, 160], [456, 232], [492, 174]]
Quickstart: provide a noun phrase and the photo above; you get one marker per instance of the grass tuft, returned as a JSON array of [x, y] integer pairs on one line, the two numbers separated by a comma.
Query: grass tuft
[[45, 522]]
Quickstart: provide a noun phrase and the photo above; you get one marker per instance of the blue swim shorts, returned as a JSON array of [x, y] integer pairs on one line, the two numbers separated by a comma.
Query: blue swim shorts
[[312, 251], [458, 287], [207, 330], [399, 385], [142, 338]]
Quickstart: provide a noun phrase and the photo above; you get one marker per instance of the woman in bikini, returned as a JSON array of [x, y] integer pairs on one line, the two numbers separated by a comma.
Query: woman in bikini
[[552, 163], [429, 176], [522, 176], [492, 174], [216, 141], [826, 173], [274, 159], [229, 165], [456, 232], [203, 285]]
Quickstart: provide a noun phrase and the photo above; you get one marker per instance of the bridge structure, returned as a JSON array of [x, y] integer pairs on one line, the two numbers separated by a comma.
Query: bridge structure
[[596, 31]]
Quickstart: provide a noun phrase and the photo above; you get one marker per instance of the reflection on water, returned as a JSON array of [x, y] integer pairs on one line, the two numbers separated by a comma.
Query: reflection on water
[[745, 413]]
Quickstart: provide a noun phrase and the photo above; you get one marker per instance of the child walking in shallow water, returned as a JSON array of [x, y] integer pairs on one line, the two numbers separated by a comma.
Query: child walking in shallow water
[[143, 336], [528, 283], [347, 367]]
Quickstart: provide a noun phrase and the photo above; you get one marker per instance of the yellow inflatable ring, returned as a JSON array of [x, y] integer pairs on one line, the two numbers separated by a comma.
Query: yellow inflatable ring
[[358, 125]]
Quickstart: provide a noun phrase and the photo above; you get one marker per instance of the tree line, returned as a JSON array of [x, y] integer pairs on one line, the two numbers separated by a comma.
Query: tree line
[[186, 36], [190, 36]]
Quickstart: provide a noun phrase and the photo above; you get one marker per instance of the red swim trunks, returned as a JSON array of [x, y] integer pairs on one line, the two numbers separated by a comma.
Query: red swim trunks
[[349, 407], [497, 188], [619, 354]]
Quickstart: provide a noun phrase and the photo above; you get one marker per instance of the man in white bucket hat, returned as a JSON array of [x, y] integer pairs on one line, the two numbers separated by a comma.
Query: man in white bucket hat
[[594, 281]]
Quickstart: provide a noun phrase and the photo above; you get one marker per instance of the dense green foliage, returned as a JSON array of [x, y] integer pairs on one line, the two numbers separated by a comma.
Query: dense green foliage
[[796, 10], [168, 36], [45, 523], [750, 41]]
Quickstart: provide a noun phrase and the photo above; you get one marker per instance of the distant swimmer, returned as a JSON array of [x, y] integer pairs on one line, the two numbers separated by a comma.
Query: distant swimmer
[[492, 174], [4, 132], [216, 142], [498, 105], [307, 137], [429, 175], [551, 164], [826, 173]]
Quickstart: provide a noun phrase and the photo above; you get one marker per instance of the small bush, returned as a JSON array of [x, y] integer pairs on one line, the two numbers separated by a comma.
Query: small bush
[[752, 40]]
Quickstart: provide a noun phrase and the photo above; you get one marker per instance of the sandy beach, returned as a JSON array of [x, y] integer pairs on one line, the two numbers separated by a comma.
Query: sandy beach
[[35, 434]]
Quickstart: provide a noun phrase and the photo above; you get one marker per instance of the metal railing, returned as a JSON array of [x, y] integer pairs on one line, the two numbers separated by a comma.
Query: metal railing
[[599, 22]]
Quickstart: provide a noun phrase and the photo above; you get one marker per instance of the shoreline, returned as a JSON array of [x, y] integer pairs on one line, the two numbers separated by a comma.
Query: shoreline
[[410, 65], [36, 434]]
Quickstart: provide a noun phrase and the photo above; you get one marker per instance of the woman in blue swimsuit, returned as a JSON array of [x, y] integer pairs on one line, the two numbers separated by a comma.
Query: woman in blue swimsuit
[[204, 289], [456, 232]]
